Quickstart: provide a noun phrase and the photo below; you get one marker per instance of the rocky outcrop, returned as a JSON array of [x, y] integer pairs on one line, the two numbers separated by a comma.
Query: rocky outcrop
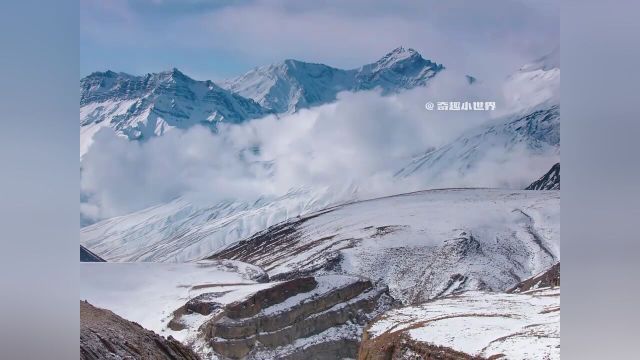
[[298, 316], [548, 181], [87, 256], [549, 278], [402, 347], [105, 335]]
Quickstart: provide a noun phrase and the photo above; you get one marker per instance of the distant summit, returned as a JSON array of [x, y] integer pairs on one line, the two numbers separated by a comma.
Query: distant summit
[[141, 107], [292, 85]]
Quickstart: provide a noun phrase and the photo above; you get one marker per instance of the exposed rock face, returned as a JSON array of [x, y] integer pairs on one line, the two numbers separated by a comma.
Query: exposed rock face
[[324, 315], [548, 181], [87, 256], [399, 346], [105, 335], [473, 325], [549, 278], [268, 297]]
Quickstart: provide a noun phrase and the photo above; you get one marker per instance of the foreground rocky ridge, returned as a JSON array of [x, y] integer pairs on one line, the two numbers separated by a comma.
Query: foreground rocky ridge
[[222, 311], [105, 335]]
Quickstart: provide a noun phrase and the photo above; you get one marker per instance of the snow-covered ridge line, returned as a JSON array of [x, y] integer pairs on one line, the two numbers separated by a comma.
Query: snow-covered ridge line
[[140, 107], [181, 231], [474, 239], [292, 85]]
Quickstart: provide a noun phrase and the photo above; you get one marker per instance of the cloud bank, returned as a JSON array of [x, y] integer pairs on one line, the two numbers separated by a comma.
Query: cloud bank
[[361, 140]]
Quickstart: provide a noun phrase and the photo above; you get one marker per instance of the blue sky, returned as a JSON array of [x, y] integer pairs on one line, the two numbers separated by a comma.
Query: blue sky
[[220, 39]]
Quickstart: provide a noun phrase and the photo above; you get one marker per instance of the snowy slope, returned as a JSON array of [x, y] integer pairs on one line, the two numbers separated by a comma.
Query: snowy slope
[[422, 245], [149, 293], [516, 327], [292, 85], [140, 107], [529, 127], [185, 231], [535, 133], [534, 84]]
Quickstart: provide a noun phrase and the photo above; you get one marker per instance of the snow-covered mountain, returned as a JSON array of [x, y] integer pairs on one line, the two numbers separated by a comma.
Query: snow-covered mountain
[[530, 126], [535, 133], [292, 85], [140, 107], [184, 231]]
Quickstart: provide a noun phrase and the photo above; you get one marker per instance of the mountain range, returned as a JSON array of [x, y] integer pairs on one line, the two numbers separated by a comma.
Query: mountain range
[[140, 107], [183, 231], [293, 85]]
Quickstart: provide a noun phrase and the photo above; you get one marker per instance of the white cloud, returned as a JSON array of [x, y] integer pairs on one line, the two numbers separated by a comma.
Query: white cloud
[[361, 139]]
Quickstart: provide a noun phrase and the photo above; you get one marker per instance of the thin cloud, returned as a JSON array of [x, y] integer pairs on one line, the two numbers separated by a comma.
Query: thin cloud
[[482, 38]]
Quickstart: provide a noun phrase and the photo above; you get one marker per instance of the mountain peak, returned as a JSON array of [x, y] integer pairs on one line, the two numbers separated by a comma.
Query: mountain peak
[[173, 74], [400, 53], [402, 57], [101, 74], [403, 50]]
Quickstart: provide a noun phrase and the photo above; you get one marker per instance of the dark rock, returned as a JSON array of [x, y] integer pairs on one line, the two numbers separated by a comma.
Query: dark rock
[[105, 335], [87, 256], [549, 181]]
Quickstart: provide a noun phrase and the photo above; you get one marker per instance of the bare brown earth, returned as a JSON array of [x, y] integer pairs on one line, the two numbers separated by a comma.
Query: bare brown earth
[[105, 335], [549, 278], [398, 346]]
